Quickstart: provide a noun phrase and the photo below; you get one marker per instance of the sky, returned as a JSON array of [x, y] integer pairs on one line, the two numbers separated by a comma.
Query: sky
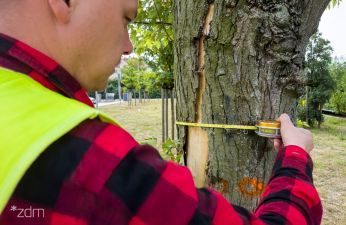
[[333, 27]]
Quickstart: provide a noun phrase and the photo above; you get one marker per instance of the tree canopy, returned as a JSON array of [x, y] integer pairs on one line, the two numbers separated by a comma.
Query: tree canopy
[[152, 33], [319, 81], [138, 76], [338, 99], [334, 3]]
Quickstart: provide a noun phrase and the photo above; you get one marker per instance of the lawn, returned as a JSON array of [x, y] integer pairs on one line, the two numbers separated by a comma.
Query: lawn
[[143, 121], [329, 158]]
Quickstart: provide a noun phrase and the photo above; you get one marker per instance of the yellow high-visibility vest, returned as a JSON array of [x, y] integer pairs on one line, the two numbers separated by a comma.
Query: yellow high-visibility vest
[[32, 117]]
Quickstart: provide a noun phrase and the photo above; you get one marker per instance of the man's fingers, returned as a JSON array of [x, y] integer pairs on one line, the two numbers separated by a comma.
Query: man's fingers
[[292, 135], [278, 144], [285, 119]]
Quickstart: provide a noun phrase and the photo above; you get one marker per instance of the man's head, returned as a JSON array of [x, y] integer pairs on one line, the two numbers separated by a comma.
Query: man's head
[[87, 37]]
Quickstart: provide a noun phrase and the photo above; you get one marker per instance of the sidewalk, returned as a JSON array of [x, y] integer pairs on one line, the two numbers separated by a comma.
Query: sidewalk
[[100, 104]]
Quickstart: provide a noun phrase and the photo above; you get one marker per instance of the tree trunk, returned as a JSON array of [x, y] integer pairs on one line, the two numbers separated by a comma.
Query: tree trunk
[[129, 98], [237, 62], [119, 86], [321, 116], [134, 95], [140, 96], [307, 104], [172, 113], [166, 112], [163, 114]]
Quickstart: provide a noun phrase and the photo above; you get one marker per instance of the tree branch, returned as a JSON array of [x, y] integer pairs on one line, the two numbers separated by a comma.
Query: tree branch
[[164, 27], [153, 23]]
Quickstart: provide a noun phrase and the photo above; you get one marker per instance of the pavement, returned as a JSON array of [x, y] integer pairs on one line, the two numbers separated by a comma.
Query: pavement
[[100, 104]]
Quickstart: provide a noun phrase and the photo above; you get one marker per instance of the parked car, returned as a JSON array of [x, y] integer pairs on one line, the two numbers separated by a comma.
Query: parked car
[[93, 100]]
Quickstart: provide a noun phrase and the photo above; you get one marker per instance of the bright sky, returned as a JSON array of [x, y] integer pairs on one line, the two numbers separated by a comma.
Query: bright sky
[[333, 27]]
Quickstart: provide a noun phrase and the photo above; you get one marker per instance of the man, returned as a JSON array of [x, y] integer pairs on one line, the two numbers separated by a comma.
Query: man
[[62, 162]]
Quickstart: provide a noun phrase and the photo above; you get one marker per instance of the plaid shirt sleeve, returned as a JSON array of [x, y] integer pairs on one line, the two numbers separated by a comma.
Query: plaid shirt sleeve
[[98, 174]]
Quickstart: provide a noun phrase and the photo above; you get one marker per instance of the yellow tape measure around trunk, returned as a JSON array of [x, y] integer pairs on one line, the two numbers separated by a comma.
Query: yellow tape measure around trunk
[[221, 126]]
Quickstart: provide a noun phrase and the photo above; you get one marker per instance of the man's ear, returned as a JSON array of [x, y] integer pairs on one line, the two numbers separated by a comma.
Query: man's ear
[[61, 10]]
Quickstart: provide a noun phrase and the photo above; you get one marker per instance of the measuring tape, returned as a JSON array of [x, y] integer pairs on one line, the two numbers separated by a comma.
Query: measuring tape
[[269, 129], [221, 126]]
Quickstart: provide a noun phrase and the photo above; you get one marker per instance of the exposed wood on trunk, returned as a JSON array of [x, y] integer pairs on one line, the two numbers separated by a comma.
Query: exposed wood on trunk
[[200, 66], [197, 146], [198, 154]]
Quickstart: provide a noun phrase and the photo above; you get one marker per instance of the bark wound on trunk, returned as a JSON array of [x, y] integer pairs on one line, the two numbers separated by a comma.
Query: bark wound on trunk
[[201, 59], [197, 146]]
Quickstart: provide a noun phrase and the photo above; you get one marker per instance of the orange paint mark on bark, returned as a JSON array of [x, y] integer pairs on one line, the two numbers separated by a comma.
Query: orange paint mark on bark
[[225, 186], [251, 187]]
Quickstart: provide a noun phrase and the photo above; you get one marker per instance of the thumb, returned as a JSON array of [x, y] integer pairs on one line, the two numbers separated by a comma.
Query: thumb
[[285, 121]]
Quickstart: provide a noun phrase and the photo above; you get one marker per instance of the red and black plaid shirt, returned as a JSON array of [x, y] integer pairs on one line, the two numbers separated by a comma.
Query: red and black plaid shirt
[[98, 174]]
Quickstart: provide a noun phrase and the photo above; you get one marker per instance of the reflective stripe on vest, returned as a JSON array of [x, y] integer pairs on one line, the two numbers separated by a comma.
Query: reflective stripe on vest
[[31, 118]]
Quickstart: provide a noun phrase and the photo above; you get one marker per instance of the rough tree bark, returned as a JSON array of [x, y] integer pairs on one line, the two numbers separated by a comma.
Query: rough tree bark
[[237, 61]]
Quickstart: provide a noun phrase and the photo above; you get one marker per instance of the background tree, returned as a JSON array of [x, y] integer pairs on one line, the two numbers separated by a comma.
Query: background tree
[[112, 86], [166, 82], [151, 83], [152, 34], [132, 73], [334, 3], [237, 62], [319, 82], [138, 76], [338, 99]]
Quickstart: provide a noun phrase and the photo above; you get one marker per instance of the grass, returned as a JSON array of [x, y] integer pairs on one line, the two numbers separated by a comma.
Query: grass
[[329, 158], [332, 131], [144, 122]]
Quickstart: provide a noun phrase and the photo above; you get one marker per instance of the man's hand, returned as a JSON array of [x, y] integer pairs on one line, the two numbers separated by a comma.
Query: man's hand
[[292, 135]]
